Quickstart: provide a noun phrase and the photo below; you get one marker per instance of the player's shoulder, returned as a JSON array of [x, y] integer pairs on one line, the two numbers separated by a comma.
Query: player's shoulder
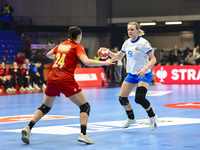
[[127, 40], [143, 40], [67, 42], [70, 42]]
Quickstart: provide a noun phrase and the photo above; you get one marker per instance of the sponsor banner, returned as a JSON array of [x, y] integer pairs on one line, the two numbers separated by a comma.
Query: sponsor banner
[[184, 105], [107, 126], [42, 46], [177, 74], [90, 76]]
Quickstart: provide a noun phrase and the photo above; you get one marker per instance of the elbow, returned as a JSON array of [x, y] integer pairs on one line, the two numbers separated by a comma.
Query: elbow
[[86, 63], [155, 61], [47, 56]]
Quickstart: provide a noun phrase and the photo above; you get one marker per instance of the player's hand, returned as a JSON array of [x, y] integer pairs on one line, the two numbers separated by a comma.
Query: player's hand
[[27, 77], [38, 74], [141, 72], [110, 61]]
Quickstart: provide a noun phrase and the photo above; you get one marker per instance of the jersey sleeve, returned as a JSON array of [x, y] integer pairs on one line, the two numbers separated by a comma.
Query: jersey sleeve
[[147, 47], [80, 51], [55, 49], [123, 49]]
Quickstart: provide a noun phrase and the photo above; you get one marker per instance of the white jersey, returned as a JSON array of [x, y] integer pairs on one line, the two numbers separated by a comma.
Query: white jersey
[[136, 53]]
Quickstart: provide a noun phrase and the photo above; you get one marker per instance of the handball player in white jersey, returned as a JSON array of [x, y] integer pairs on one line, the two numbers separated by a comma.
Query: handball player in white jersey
[[138, 52]]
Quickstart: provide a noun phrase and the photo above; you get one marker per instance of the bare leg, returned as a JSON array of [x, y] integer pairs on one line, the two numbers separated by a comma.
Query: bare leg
[[79, 99], [126, 89], [48, 101]]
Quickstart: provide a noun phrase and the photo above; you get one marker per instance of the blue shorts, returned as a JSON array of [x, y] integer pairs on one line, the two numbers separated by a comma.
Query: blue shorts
[[133, 78]]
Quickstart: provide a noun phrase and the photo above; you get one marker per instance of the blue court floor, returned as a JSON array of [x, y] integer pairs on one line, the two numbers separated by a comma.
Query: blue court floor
[[178, 126]]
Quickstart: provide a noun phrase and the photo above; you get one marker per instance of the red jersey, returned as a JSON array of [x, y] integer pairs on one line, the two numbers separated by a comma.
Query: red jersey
[[66, 58], [2, 71], [23, 71]]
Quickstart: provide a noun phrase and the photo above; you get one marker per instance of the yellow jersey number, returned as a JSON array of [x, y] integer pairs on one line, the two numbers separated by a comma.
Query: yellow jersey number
[[60, 60]]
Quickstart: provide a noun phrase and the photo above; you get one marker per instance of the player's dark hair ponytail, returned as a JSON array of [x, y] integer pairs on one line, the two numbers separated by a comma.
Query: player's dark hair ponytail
[[73, 32]]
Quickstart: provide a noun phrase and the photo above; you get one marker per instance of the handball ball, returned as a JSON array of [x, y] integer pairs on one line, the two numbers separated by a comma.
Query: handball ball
[[103, 52]]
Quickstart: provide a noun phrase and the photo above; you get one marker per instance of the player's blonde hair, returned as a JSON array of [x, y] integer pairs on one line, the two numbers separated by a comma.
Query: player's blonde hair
[[141, 32]]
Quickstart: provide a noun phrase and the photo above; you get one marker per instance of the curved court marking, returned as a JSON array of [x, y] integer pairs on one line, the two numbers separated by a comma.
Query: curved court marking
[[190, 105], [22, 118]]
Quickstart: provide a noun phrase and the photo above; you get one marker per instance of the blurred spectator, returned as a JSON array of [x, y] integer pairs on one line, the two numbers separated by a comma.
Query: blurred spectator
[[118, 68], [20, 58], [4, 79], [186, 52], [153, 81], [27, 38], [196, 54], [7, 18], [34, 74], [39, 57], [174, 55], [28, 64], [96, 57], [51, 42], [190, 59], [13, 71], [23, 77], [107, 70]]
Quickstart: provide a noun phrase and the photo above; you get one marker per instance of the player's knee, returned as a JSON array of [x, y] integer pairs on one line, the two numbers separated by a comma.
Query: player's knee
[[140, 94], [85, 108], [45, 109], [140, 97], [123, 101]]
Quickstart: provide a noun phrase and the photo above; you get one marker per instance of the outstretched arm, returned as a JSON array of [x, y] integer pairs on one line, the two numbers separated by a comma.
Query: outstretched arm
[[118, 56], [91, 62]]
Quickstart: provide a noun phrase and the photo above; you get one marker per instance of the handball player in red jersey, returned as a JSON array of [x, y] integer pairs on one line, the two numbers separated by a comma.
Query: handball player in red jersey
[[66, 56]]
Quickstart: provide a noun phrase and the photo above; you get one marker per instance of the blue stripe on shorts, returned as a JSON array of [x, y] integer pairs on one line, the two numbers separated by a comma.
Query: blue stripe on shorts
[[133, 78]]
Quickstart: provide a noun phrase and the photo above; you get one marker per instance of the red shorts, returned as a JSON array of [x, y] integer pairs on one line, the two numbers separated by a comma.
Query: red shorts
[[67, 89]]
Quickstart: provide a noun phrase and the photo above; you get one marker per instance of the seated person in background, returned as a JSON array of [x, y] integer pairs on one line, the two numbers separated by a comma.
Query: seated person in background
[[186, 52], [23, 77], [34, 74], [13, 72], [196, 54], [28, 64], [4, 79], [190, 59], [39, 57], [174, 55], [20, 58]]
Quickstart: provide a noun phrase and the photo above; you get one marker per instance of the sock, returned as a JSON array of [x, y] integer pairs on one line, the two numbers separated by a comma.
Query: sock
[[31, 124], [130, 114], [150, 113], [83, 129]]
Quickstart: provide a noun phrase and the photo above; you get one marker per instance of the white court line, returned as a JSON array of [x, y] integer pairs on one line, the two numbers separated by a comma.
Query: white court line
[[107, 126]]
